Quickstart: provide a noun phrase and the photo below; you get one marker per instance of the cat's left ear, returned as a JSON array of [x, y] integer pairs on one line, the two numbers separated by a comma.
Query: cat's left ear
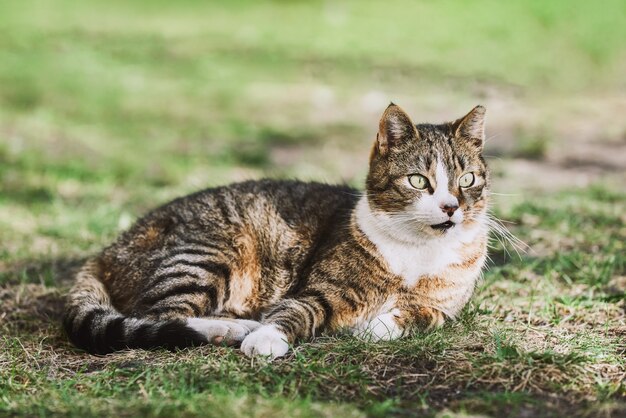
[[471, 127]]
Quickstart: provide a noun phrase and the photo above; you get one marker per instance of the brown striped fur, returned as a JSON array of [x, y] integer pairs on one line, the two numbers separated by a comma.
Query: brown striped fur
[[297, 257]]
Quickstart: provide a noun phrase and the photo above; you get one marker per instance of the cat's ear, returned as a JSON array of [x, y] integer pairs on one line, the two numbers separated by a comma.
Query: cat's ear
[[394, 128], [471, 127]]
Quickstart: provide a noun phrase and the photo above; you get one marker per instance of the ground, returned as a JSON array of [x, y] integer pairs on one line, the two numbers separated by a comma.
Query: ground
[[110, 108]]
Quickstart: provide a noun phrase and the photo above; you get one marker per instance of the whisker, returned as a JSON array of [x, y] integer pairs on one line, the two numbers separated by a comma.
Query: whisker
[[504, 194], [502, 234], [494, 136]]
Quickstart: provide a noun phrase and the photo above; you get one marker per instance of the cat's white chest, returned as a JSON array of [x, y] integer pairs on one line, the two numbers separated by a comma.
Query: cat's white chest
[[414, 262]]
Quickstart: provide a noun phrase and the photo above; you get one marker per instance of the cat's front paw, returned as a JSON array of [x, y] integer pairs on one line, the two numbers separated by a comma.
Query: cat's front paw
[[382, 328], [266, 341], [434, 319]]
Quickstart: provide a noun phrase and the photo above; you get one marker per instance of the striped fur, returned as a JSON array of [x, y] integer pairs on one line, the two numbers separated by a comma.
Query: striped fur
[[266, 263]]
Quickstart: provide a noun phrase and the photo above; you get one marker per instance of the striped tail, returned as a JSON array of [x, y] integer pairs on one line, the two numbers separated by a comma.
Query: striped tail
[[93, 324]]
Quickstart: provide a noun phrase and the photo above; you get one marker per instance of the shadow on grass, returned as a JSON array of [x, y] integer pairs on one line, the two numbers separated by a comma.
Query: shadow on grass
[[32, 294], [51, 273]]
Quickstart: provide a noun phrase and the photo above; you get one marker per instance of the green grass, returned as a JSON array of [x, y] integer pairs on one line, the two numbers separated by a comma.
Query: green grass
[[110, 108]]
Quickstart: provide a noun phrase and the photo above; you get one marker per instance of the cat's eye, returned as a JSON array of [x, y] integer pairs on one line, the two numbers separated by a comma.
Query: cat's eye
[[418, 181], [466, 180]]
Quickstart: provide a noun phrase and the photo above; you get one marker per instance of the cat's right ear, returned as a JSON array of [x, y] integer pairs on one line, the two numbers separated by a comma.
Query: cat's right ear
[[394, 128]]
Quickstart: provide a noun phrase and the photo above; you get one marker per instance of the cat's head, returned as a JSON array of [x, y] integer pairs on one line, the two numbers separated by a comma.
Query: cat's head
[[429, 179]]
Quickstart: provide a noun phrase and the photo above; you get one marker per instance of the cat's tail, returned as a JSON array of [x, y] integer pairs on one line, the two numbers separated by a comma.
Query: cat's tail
[[93, 324]]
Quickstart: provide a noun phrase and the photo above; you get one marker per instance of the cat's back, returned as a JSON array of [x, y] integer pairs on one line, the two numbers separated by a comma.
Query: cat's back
[[270, 224], [266, 209], [260, 201]]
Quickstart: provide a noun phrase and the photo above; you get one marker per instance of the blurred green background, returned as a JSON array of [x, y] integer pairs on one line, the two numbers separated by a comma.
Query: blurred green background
[[108, 108]]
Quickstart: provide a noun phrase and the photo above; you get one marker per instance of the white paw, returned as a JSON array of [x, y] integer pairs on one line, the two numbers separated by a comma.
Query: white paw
[[266, 341], [219, 331], [382, 328]]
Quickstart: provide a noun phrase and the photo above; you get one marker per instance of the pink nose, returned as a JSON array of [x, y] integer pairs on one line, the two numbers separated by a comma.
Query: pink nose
[[449, 209]]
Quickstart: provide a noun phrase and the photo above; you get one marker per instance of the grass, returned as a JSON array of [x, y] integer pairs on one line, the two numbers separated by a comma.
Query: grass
[[110, 108]]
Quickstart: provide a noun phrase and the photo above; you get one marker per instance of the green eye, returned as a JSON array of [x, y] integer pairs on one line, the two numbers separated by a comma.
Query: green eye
[[418, 181], [466, 180]]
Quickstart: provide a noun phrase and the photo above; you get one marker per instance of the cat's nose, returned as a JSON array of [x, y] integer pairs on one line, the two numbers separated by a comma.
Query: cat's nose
[[449, 209]]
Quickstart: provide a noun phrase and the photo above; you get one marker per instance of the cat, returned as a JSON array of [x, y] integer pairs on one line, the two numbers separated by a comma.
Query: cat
[[264, 264]]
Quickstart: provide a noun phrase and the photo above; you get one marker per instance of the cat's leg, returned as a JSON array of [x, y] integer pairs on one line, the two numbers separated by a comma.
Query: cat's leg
[[383, 327], [189, 288], [431, 302], [290, 319], [223, 330], [252, 325], [216, 329], [397, 323], [424, 307], [421, 317], [411, 309]]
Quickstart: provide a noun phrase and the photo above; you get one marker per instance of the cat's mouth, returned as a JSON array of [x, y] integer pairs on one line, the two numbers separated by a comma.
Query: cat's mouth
[[444, 226]]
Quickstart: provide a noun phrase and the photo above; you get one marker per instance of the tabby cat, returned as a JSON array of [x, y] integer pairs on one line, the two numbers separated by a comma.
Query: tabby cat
[[267, 263]]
